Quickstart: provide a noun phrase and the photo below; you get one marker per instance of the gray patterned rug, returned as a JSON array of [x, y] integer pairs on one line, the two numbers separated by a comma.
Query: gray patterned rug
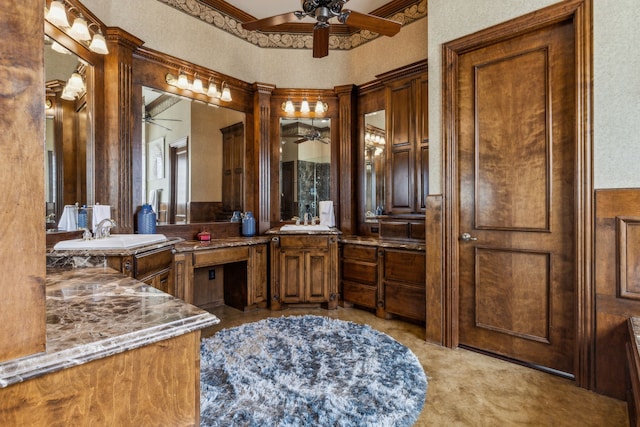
[[308, 371]]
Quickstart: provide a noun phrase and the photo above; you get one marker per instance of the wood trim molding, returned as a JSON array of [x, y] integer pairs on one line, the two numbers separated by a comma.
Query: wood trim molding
[[579, 12], [628, 257]]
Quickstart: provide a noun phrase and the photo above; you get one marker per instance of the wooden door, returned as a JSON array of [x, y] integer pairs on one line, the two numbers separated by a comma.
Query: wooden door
[[516, 163]]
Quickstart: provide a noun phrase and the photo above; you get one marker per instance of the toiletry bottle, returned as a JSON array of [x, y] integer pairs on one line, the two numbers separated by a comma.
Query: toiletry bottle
[[82, 218], [146, 220], [248, 225]]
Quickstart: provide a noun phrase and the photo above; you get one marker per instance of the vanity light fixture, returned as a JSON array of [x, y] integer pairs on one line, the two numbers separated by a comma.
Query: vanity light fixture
[[57, 14], [80, 29], [304, 107], [98, 43], [226, 92], [59, 48], [182, 82], [75, 83], [68, 94], [289, 107]]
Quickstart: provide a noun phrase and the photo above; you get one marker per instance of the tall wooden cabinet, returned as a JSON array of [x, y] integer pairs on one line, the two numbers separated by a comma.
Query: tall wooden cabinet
[[407, 140], [304, 270], [232, 167]]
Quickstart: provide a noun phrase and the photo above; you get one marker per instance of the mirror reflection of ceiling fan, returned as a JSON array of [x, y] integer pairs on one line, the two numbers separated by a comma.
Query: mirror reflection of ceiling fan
[[322, 11], [314, 135], [156, 106]]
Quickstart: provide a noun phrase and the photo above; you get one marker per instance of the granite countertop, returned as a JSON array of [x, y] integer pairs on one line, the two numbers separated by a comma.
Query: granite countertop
[[226, 242], [97, 312], [383, 243], [279, 231]]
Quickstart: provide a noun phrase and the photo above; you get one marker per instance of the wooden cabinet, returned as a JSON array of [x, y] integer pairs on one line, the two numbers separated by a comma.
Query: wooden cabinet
[[304, 270], [407, 143], [404, 283], [239, 278], [152, 267], [360, 275], [232, 167]]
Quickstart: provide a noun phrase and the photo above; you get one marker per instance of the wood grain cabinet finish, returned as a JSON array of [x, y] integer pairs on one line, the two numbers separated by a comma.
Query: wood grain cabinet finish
[[304, 270], [360, 275], [404, 283], [152, 267]]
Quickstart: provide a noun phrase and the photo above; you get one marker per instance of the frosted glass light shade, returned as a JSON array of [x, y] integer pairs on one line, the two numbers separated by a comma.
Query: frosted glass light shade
[[197, 86], [304, 107], [213, 90], [59, 48], [183, 83], [319, 106], [57, 14], [79, 30], [288, 107], [68, 94], [98, 44], [75, 83], [226, 94]]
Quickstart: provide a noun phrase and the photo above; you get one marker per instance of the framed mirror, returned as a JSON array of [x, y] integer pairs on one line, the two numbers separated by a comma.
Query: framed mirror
[[305, 166], [69, 142], [192, 158], [374, 164]]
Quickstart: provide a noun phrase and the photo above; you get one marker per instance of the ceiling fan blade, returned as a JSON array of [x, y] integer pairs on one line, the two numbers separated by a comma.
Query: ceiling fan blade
[[272, 21], [320, 41], [300, 140], [158, 124], [373, 23]]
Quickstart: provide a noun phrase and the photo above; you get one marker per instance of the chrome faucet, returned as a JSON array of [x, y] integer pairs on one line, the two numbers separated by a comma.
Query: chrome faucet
[[103, 229]]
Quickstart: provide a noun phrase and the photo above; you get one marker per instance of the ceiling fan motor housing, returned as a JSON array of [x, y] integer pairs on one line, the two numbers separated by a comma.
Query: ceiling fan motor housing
[[323, 10]]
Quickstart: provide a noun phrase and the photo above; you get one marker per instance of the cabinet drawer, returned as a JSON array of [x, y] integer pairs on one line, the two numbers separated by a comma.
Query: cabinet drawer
[[220, 256], [151, 262], [304, 242], [360, 272], [359, 294], [365, 253], [405, 300], [405, 266]]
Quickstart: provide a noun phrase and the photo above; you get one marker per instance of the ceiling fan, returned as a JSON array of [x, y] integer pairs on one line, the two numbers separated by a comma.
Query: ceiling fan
[[152, 120], [322, 11], [314, 135]]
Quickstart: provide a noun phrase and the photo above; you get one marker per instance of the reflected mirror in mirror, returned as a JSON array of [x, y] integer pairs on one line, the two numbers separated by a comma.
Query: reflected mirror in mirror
[[305, 166], [193, 159], [374, 163], [68, 137]]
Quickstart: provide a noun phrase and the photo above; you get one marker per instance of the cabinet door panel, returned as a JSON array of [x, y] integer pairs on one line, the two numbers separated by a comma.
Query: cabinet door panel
[[405, 266], [405, 300], [317, 265], [292, 277], [360, 272]]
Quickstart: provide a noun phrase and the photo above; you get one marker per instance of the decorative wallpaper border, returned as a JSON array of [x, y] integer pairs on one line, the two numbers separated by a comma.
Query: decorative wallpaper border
[[288, 40]]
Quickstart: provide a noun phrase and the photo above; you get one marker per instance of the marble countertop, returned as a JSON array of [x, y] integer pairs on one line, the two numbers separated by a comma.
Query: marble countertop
[[97, 312], [226, 242], [279, 231], [113, 252], [382, 243]]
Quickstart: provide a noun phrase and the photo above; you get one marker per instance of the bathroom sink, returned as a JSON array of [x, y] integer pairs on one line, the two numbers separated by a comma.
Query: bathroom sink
[[115, 241], [293, 227]]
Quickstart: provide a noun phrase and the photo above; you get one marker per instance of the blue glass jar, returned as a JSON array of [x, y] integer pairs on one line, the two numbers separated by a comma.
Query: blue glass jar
[[248, 225], [146, 220], [82, 218]]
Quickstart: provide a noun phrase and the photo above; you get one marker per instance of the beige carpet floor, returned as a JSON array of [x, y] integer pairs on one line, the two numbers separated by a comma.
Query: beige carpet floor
[[470, 389]]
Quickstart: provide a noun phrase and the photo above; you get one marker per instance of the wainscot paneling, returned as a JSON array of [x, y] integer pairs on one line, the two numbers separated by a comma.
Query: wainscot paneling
[[617, 284]]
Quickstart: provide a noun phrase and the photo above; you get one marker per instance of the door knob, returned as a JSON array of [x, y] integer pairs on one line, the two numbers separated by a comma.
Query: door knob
[[466, 237]]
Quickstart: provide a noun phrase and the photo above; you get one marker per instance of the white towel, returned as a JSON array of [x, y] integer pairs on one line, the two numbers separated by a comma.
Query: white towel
[[69, 218], [100, 212], [327, 216]]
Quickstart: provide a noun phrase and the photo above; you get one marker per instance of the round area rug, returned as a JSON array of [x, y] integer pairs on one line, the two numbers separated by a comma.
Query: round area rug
[[308, 371]]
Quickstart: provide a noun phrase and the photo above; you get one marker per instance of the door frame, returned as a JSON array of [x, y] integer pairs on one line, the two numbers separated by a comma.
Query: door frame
[[580, 13]]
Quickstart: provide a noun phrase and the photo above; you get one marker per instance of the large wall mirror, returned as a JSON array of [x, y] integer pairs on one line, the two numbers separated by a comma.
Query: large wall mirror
[[69, 133], [193, 158], [305, 166], [374, 163]]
